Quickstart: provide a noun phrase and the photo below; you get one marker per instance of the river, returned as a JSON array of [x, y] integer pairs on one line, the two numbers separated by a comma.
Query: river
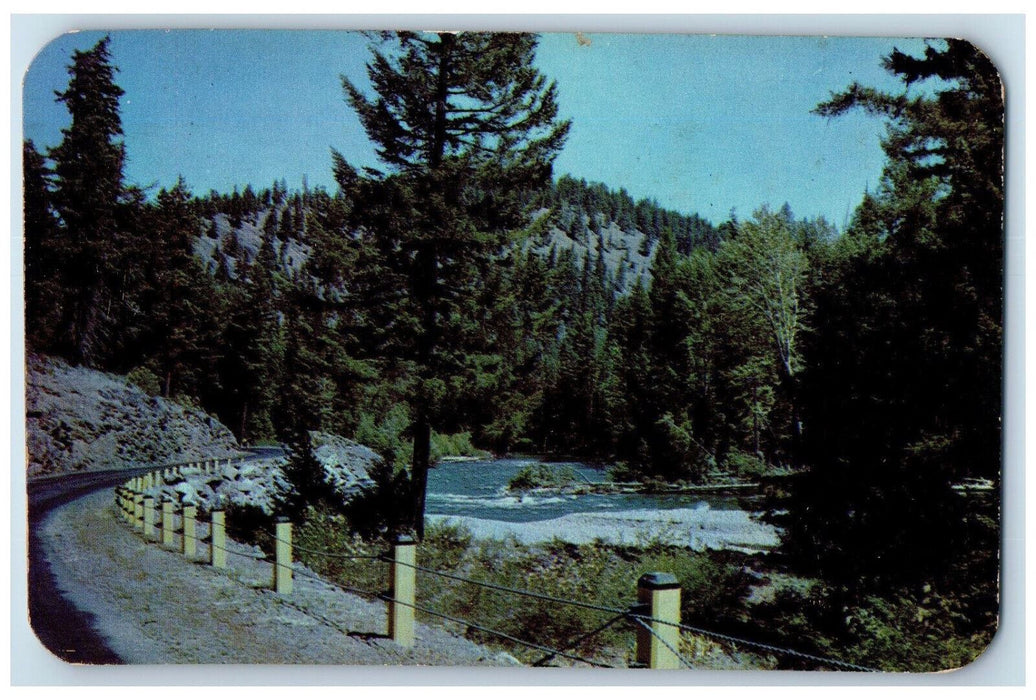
[[474, 493]]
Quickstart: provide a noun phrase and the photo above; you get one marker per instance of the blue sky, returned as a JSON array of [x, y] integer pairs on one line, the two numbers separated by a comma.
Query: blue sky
[[704, 124]]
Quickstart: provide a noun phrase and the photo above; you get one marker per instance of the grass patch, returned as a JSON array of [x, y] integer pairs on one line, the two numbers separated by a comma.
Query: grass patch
[[897, 632], [597, 574]]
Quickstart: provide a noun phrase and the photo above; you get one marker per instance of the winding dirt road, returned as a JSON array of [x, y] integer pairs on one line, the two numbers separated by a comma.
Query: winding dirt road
[[100, 594], [68, 632]]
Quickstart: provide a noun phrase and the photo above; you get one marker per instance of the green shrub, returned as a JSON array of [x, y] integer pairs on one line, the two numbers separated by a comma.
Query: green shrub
[[915, 633], [325, 543], [454, 445], [382, 510], [534, 476], [623, 472], [309, 485], [250, 524], [146, 380], [387, 435], [745, 465]]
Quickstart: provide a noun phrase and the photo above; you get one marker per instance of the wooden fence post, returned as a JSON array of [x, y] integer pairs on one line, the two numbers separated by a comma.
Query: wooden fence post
[[402, 591], [138, 510], [120, 501], [167, 522], [659, 598], [282, 582], [190, 532], [149, 518], [218, 536]]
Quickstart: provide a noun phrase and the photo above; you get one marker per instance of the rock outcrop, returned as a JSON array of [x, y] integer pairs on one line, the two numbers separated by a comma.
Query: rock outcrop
[[347, 464], [261, 483], [79, 419]]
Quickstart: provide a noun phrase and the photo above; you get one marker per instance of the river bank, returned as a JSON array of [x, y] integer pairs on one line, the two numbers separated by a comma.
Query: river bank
[[586, 507], [699, 528]]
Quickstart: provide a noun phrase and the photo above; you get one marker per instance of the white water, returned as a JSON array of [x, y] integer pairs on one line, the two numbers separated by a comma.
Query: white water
[[474, 494]]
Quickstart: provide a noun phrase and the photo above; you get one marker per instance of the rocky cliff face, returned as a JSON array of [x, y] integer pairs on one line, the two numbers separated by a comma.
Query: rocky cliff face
[[83, 420], [627, 254]]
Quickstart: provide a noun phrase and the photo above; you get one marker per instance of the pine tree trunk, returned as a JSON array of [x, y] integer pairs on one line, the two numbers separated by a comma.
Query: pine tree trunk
[[85, 325], [426, 292], [419, 473]]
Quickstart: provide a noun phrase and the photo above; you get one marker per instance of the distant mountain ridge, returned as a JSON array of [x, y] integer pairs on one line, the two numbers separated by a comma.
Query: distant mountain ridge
[[587, 219]]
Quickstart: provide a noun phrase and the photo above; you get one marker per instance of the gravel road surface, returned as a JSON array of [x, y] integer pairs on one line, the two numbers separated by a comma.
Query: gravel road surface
[[152, 606]]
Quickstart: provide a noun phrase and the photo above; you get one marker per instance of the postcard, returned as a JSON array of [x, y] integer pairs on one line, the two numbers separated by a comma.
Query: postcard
[[500, 349]]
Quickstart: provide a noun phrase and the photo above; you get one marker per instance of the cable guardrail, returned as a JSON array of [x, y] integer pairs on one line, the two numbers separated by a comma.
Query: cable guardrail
[[374, 595], [302, 573], [640, 620], [660, 650], [761, 646], [243, 555], [336, 555], [496, 633], [665, 642], [580, 639], [508, 589]]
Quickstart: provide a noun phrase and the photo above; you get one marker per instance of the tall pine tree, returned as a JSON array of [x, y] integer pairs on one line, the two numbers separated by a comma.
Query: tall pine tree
[[902, 394], [88, 169], [42, 250], [465, 124]]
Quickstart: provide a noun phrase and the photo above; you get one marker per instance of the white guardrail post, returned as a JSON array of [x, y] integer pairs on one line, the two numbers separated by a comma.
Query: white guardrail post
[[659, 597], [218, 537], [403, 591], [149, 518], [190, 531], [282, 582], [167, 522]]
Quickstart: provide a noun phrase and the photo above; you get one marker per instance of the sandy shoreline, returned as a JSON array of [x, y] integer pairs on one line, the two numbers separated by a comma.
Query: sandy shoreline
[[698, 528]]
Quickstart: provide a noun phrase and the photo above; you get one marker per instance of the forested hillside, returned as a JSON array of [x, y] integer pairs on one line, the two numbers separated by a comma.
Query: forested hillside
[[275, 278]]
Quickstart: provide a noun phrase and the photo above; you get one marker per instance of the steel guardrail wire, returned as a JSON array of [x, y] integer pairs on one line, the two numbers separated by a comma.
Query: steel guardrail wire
[[508, 589], [758, 645], [497, 633]]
